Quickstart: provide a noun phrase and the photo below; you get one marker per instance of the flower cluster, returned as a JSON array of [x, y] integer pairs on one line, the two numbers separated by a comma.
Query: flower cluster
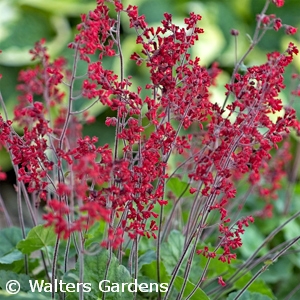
[[272, 22]]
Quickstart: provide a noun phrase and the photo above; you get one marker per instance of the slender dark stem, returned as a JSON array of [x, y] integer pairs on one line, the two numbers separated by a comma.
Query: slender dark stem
[[22, 224], [256, 38], [71, 87], [6, 214], [293, 178], [168, 222], [136, 256], [235, 50], [54, 265], [118, 43], [264, 243], [189, 265], [107, 266], [245, 267], [291, 294], [159, 243], [265, 267], [81, 266], [3, 107], [85, 109], [180, 261]]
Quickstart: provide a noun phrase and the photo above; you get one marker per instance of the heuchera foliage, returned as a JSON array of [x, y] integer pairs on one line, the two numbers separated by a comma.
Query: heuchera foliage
[[215, 147]]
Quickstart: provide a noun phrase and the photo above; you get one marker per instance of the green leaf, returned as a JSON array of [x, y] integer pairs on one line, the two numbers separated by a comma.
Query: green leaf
[[94, 270], [23, 280], [172, 249], [248, 296], [199, 294], [284, 265], [171, 252], [22, 296], [216, 267], [251, 240], [11, 257], [9, 238], [257, 285], [291, 230], [95, 233], [37, 238], [178, 187], [150, 270], [147, 258]]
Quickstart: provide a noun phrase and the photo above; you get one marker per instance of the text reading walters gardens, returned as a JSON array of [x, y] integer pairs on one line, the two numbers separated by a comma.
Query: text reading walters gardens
[[103, 286]]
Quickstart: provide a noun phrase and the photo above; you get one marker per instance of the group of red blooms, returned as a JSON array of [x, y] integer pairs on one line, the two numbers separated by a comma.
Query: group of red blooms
[[217, 146]]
